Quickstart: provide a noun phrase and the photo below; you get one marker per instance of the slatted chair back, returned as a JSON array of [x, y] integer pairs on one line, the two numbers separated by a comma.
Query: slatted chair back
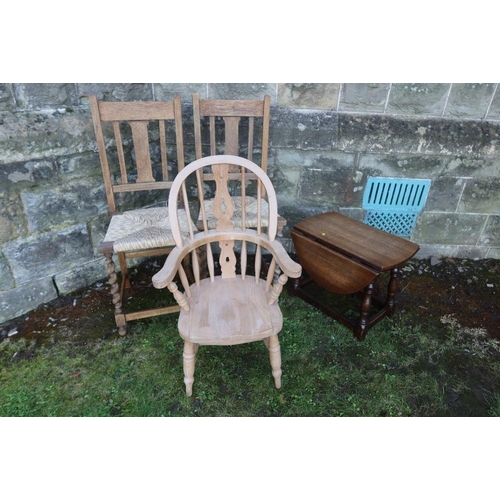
[[237, 128], [227, 120], [129, 135], [224, 210]]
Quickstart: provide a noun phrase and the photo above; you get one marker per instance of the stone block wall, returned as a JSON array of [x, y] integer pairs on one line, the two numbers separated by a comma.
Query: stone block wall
[[326, 139]]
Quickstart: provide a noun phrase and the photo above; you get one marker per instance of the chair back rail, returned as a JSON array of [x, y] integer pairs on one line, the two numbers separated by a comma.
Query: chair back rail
[[231, 112], [139, 117]]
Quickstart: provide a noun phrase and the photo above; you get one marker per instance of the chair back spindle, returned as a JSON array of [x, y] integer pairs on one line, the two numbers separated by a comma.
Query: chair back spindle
[[184, 280], [243, 259], [250, 138], [121, 155], [270, 274]]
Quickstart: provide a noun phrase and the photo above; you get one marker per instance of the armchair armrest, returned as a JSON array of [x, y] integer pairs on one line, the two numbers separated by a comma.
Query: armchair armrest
[[289, 267], [167, 273]]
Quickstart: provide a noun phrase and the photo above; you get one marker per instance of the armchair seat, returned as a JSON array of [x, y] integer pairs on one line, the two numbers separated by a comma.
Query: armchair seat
[[229, 311]]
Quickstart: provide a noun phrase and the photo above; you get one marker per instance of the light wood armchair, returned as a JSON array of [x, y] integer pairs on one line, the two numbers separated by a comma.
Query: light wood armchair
[[132, 143], [234, 304]]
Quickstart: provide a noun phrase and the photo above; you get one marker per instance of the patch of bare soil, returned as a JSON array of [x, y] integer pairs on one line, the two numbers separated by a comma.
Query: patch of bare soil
[[428, 289], [467, 289], [85, 314]]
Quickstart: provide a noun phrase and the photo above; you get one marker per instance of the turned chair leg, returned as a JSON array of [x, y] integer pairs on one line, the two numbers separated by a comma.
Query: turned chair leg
[[121, 322], [273, 345], [124, 269], [189, 359]]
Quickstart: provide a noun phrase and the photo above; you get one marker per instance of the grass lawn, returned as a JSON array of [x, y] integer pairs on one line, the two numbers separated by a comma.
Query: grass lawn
[[407, 366]]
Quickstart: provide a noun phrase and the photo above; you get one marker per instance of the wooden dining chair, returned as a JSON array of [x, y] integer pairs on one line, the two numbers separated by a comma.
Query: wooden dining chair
[[234, 304], [135, 142], [239, 128]]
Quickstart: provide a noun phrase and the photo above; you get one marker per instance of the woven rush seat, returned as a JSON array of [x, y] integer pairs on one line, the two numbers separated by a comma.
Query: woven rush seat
[[251, 212], [143, 228]]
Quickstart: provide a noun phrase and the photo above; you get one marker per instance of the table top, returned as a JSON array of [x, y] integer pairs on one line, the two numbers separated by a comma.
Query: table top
[[371, 246]]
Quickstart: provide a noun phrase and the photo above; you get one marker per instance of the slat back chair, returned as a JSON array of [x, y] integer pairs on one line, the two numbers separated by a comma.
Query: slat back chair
[[238, 128], [132, 144], [233, 304]]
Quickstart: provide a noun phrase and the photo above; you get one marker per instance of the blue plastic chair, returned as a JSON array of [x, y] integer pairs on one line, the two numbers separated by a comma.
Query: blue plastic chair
[[393, 204]]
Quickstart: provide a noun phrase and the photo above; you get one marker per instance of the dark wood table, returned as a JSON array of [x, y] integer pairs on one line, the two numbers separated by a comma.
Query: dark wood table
[[345, 256]]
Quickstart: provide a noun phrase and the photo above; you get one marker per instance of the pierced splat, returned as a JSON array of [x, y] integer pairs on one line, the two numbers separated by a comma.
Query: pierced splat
[[223, 211], [227, 259]]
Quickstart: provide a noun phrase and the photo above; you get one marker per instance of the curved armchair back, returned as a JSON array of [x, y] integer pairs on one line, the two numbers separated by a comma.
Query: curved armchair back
[[224, 204]]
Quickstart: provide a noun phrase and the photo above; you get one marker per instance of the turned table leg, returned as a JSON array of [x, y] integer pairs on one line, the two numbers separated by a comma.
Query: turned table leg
[[361, 329], [391, 290]]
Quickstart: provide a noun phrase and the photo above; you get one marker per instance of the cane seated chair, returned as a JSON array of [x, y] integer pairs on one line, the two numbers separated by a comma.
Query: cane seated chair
[[234, 304], [238, 128], [132, 144]]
